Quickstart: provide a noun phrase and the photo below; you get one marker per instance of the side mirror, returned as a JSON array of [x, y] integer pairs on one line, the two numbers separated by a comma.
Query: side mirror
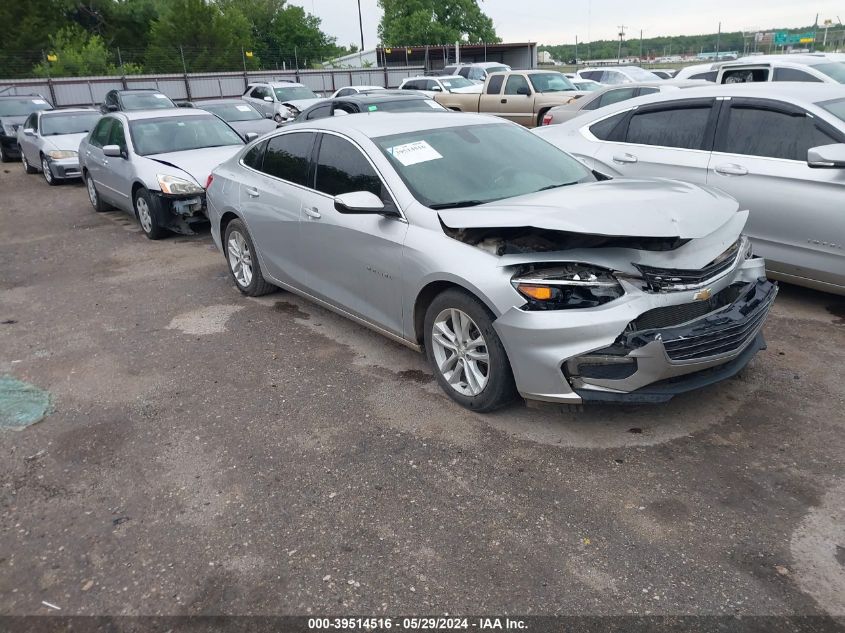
[[436, 89], [29, 132], [269, 115], [250, 136], [827, 156], [113, 150], [523, 90], [268, 99], [358, 202]]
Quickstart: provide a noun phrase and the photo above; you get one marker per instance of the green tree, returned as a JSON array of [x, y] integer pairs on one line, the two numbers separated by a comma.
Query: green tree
[[79, 54], [416, 22], [25, 35], [211, 37]]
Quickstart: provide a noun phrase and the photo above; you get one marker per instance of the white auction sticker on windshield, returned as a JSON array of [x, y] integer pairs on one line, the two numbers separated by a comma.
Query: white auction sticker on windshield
[[160, 97], [243, 108], [39, 101], [413, 153]]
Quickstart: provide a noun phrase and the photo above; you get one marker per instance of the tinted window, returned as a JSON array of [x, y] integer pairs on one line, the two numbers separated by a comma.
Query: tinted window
[[678, 127], [758, 132], [117, 136], [287, 157], [647, 91], [834, 70], [111, 98], [595, 75], [344, 92], [71, 123], [29, 124], [791, 74], [319, 112], [604, 130], [100, 135], [836, 107], [254, 156], [745, 75], [494, 86], [515, 83], [464, 72], [409, 85], [615, 96], [146, 101], [708, 76], [342, 168], [260, 92]]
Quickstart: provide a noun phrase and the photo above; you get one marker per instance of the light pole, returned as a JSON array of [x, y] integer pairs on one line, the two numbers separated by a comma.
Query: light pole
[[621, 35], [361, 28]]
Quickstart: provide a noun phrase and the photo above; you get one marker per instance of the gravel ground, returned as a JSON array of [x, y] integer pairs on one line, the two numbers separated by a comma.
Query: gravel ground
[[212, 454]]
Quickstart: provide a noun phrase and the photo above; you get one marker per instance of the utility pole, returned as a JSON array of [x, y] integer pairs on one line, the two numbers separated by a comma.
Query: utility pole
[[361, 27], [718, 41], [641, 46], [621, 35], [576, 52]]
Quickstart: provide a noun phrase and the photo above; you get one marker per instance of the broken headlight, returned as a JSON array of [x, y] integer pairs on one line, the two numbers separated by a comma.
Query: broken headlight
[[177, 186], [567, 286]]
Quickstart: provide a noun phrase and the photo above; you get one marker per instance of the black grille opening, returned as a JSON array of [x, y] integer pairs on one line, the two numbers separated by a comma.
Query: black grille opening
[[610, 371], [668, 316]]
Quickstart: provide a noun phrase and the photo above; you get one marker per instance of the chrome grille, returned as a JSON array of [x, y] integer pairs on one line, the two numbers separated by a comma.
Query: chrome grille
[[677, 279]]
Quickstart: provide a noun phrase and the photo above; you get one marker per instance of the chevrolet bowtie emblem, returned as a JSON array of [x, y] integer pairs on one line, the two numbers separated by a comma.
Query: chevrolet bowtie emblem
[[703, 295]]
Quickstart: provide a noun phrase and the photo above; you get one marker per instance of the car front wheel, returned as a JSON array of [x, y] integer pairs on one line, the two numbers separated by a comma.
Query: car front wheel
[[243, 261], [465, 352], [94, 195], [149, 215], [48, 173], [26, 166]]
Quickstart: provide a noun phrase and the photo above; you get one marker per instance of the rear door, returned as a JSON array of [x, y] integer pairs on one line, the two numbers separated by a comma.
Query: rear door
[[490, 99], [354, 261], [797, 220], [274, 183], [671, 139]]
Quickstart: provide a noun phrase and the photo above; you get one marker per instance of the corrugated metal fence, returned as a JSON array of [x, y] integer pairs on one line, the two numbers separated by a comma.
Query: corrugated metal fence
[[77, 91]]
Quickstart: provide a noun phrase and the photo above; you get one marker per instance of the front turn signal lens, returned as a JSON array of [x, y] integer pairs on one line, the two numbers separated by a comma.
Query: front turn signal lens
[[540, 293]]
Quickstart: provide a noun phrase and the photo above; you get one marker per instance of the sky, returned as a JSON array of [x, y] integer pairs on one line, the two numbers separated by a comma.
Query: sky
[[559, 21]]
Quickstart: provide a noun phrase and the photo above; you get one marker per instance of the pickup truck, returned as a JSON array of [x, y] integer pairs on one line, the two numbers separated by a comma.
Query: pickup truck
[[523, 96]]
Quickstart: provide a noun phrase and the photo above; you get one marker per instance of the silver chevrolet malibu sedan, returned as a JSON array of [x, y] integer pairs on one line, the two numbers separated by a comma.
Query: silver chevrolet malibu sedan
[[514, 267]]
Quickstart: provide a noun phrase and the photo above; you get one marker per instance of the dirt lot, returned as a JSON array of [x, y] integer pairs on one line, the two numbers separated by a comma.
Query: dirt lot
[[208, 453]]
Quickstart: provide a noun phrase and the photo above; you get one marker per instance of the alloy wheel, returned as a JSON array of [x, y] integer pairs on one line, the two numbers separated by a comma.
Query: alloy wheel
[[240, 259], [92, 190], [45, 168], [144, 215], [460, 352], [24, 162]]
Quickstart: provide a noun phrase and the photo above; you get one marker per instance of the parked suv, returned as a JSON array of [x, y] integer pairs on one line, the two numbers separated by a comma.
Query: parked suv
[[476, 72], [14, 109], [778, 148], [433, 85], [136, 99], [812, 67], [282, 100]]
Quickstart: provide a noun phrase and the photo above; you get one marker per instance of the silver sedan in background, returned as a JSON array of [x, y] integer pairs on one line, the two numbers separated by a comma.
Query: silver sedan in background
[[49, 142], [525, 274], [240, 115], [778, 148], [154, 165]]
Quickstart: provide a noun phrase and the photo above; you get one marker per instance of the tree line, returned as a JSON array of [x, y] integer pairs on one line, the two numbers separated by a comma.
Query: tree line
[[113, 37]]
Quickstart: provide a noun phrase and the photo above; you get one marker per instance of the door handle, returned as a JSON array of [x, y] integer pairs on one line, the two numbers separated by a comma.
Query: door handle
[[504, 100], [312, 212], [624, 158], [252, 192], [730, 169]]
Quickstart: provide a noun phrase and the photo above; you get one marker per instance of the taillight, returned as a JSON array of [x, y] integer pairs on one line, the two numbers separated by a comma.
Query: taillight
[[208, 182], [547, 120]]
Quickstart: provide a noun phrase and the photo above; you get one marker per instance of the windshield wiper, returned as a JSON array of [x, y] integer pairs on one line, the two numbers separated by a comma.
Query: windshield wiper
[[563, 184], [456, 205]]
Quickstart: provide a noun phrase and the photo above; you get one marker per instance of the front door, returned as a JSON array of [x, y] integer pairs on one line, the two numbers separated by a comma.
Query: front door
[[116, 175], [354, 260], [797, 220], [95, 160], [517, 101]]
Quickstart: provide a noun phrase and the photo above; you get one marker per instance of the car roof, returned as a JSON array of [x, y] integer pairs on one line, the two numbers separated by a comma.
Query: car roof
[[129, 90], [59, 111], [432, 77], [232, 100], [375, 124], [275, 84], [805, 59], [160, 113], [793, 92], [381, 96]]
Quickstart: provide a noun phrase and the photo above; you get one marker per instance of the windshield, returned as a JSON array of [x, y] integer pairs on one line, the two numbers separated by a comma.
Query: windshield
[[22, 107], [834, 70], [588, 86], [638, 74], [550, 82], [233, 112], [405, 105], [507, 161], [178, 134], [456, 82], [77, 123], [294, 93], [145, 101], [835, 107]]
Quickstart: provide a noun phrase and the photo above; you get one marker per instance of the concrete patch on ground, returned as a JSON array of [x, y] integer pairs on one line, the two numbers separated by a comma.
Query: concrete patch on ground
[[818, 552], [208, 320], [21, 403]]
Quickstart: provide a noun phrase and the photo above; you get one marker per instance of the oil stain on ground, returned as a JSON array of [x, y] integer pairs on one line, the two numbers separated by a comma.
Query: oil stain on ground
[[21, 403], [838, 310], [291, 309]]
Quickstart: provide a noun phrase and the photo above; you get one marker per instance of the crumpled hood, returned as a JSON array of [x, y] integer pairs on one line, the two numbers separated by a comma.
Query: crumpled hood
[[301, 104], [198, 163], [65, 141], [639, 208]]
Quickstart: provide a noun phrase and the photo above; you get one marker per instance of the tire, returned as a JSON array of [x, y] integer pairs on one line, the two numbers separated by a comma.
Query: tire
[[242, 261], [48, 175], [278, 118], [148, 211], [93, 194], [540, 116], [465, 362], [26, 166]]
